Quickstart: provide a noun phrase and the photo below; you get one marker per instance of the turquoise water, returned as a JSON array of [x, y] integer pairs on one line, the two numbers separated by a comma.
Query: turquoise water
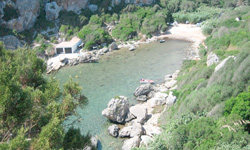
[[118, 73]]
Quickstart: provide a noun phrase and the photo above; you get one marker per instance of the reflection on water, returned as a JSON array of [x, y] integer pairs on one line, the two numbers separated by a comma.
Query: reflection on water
[[118, 73]]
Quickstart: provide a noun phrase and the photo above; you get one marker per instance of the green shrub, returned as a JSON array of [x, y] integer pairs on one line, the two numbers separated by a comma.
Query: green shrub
[[231, 23], [89, 45], [239, 105], [74, 140]]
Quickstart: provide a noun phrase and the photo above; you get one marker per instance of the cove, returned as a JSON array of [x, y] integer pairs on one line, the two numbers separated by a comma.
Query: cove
[[118, 73]]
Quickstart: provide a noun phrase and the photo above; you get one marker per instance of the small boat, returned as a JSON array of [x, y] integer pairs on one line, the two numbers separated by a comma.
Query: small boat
[[162, 41], [146, 81], [132, 48]]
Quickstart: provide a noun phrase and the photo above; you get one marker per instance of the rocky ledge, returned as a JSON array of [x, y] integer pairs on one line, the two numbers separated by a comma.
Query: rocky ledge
[[140, 120]]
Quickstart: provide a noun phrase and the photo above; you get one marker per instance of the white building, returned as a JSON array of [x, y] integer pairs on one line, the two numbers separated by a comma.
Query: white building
[[68, 47]]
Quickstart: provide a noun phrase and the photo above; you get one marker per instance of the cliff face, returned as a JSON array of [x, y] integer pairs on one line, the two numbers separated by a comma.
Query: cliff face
[[22, 14], [72, 5], [19, 15]]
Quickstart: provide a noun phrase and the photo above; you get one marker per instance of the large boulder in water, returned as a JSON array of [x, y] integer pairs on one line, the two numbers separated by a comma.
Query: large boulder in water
[[143, 90], [117, 109]]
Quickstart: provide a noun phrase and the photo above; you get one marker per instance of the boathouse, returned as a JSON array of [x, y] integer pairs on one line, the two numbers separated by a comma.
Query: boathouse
[[68, 47]]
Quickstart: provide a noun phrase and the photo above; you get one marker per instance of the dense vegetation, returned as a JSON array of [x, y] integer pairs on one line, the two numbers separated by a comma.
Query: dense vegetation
[[32, 107], [213, 108]]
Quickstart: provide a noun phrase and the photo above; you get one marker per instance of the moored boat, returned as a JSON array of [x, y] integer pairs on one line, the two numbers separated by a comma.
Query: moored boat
[[146, 81], [162, 41]]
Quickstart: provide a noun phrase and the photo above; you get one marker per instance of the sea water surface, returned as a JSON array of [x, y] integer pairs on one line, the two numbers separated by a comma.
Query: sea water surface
[[118, 73]]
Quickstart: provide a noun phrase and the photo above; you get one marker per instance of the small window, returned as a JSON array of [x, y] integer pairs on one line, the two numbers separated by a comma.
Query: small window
[[59, 50], [68, 50]]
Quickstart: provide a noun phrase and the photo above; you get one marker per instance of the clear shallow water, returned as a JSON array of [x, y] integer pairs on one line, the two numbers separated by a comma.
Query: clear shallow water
[[118, 73]]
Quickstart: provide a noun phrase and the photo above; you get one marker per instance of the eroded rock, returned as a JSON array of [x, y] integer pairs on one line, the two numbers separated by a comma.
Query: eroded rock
[[131, 143], [139, 112], [171, 99], [125, 132], [158, 99], [11, 42], [114, 130], [143, 90], [117, 109], [212, 58], [52, 11]]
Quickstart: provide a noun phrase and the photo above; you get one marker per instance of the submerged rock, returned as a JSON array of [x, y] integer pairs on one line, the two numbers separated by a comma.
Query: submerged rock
[[114, 130], [117, 109], [143, 90]]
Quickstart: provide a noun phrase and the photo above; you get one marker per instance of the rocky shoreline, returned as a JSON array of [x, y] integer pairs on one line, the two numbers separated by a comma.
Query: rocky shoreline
[[141, 120], [185, 32]]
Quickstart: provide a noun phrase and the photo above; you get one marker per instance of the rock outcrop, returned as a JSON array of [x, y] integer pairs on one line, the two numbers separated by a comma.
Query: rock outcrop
[[117, 109], [131, 143], [115, 2], [222, 63], [125, 132], [11, 42], [73, 5], [28, 11], [148, 2], [137, 130], [93, 7], [171, 99], [139, 112], [142, 98], [212, 58], [114, 130], [158, 99], [52, 11], [143, 90], [113, 46]]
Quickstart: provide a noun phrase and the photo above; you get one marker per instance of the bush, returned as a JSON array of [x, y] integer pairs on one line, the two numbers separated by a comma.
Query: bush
[[89, 45], [74, 140], [239, 105], [202, 14]]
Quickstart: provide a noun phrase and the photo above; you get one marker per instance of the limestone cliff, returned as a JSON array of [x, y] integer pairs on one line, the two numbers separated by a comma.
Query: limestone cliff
[[19, 14]]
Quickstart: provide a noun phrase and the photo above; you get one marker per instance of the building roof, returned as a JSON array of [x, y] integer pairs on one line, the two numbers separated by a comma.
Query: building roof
[[71, 43]]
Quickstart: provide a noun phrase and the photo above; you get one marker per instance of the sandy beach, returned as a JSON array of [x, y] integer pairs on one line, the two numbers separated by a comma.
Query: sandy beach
[[187, 32]]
